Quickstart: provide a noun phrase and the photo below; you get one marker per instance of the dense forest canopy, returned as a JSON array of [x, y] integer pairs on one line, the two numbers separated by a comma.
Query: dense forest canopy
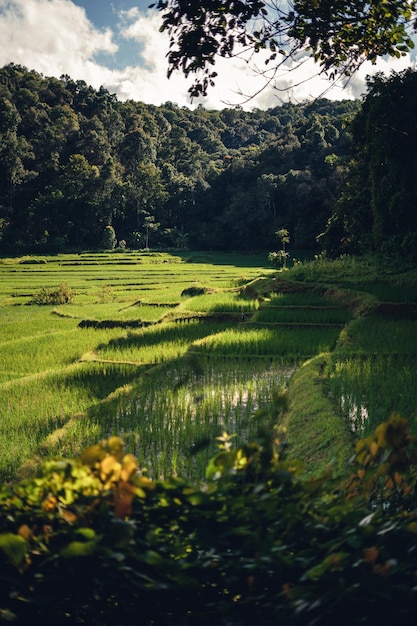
[[75, 161], [377, 209]]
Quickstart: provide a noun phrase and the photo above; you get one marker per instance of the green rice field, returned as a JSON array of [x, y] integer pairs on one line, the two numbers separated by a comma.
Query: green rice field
[[373, 371], [168, 351], [164, 350]]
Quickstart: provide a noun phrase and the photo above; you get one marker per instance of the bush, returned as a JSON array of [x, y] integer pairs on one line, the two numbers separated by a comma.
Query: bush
[[33, 261], [94, 541], [278, 259], [60, 295], [194, 290], [109, 238]]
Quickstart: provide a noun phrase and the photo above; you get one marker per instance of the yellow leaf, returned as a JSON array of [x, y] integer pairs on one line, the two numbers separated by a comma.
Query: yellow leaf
[[115, 445], [68, 516], [92, 455], [129, 467], [123, 500], [49, 503], [374, 448], [110, 465], [380, 435], [145, 482], [412, 527], [389, 483], [363, 444], [25, 532], [398, 479]]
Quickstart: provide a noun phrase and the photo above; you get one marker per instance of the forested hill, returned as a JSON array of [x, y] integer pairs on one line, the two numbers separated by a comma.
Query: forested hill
[[74, 160]]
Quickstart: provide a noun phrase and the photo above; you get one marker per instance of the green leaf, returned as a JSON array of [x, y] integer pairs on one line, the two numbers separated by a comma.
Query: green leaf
[[153, 558], [15, 547], [78, 548], [86, 533]]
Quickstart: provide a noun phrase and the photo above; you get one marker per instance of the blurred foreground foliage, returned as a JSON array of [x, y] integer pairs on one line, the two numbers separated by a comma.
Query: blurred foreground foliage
[[93, 540]]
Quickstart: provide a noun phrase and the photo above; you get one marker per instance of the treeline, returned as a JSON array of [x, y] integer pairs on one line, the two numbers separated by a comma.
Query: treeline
[[339, 176], [377, 209], [74, 160]]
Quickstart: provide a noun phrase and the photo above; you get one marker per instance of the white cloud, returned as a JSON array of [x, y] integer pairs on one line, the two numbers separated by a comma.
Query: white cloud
[[55, 37], [356, 87], [52, 37]]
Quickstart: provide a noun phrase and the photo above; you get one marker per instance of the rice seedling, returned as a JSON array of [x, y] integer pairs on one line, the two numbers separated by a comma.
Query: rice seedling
[[172, 417], [367, 389], [18, 323], [379, 335], [32, 409], [372, 371], [220, 302], [289, 343], [53, 349], [114, 312], [156, 344], [302, 315], [303, 299]]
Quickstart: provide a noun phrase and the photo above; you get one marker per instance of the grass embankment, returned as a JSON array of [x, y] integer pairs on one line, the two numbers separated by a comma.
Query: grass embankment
[[317, 434], [370, 372]]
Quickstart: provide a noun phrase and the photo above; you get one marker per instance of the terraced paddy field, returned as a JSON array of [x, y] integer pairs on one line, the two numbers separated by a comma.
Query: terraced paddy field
[[169, 351]]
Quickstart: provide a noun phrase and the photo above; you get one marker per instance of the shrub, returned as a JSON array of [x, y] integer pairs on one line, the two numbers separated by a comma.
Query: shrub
[[194, 290], [33, 261], [94, 541], [60, 295], [278, 259], [109, 238]]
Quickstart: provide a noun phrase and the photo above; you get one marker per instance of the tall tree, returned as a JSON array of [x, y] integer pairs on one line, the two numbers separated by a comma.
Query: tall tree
[[377, 209]]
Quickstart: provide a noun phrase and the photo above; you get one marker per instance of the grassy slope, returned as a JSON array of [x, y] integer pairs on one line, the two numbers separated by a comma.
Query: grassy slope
[[315, 432]]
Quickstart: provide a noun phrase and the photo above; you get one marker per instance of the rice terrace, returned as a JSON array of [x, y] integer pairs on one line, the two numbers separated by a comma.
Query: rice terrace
[[171, 350]]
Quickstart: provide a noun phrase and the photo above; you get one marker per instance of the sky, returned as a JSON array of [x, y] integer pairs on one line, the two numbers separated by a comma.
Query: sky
[[117, 44]]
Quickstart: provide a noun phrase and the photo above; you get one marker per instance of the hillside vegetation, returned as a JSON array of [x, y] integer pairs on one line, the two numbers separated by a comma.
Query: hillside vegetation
[[75, 160]]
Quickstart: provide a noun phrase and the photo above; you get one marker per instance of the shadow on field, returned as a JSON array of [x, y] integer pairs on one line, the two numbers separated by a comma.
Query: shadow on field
[[186, 332], [236, 260]]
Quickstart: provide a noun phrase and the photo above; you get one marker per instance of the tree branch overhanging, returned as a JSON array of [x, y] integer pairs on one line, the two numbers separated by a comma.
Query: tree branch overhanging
[[338, 35]]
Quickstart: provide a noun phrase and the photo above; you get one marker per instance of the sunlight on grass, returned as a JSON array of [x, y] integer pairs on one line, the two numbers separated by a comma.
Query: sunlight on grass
[[292, 344], [220, 302], [33, 409], [167, 383]]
